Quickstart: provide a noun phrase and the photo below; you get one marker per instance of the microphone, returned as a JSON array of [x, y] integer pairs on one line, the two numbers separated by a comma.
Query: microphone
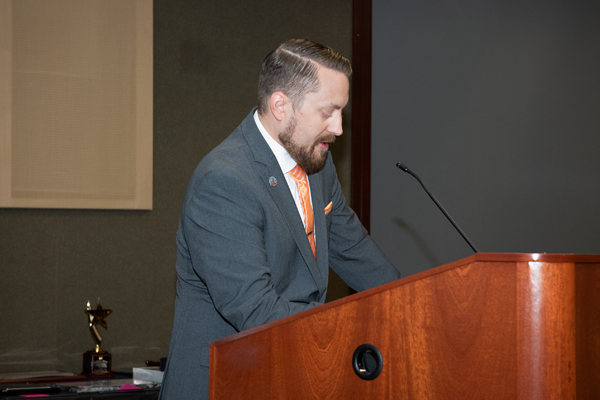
[[408, 171]]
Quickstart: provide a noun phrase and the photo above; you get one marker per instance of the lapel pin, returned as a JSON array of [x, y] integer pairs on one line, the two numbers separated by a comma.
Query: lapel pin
[[272, 181]]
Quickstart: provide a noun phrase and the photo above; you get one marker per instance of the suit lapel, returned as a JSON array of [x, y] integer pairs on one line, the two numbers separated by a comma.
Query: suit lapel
[[316, 189], [266, 166]]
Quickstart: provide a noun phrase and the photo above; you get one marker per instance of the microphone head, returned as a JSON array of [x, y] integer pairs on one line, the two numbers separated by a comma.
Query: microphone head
[[402, 166]]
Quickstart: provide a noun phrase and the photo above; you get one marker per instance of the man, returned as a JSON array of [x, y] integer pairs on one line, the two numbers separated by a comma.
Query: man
[[264, 216]]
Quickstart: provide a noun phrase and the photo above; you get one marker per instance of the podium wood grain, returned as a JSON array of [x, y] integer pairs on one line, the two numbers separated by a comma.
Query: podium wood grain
[[491, 326]]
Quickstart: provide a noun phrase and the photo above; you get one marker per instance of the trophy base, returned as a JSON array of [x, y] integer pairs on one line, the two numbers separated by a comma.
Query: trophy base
[[97, 364]]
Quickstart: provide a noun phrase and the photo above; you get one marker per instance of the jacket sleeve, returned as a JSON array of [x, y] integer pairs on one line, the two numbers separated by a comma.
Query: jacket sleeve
[[352, 253]]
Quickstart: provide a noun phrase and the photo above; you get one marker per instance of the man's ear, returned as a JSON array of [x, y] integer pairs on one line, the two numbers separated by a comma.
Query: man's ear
[[278, 103]]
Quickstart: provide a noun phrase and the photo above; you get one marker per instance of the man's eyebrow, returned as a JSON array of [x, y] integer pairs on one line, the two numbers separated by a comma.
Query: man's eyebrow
[[334, 106]]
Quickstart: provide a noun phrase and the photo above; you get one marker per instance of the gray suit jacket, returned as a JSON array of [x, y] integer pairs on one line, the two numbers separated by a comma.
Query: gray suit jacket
[[243, 258]]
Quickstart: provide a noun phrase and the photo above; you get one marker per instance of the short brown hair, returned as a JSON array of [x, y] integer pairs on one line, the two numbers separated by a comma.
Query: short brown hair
[[292, 69]]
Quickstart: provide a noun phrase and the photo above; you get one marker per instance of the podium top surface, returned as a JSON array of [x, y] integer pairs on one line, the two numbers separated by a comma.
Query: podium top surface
[[525, 257]]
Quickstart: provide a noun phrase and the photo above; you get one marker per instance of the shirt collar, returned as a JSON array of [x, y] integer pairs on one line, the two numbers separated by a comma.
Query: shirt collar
[[286, 162]]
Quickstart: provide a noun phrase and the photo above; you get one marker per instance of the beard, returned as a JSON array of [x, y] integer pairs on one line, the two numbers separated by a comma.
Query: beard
[[311, 158]]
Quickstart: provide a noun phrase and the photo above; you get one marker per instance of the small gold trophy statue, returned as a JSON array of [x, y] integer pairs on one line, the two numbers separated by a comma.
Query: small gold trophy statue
[[97, 362]]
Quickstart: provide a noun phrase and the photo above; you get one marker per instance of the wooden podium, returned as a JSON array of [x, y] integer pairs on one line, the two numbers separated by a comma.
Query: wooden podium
[[490, 326]]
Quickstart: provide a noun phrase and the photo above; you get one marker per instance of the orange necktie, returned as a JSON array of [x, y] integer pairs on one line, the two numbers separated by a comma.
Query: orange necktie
[[299, 176]]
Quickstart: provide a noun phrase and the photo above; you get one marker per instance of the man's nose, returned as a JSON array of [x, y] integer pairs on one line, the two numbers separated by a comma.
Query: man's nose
[[336, 126]]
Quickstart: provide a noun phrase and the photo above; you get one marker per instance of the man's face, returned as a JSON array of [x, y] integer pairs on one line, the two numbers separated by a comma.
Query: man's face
[[311, 129]]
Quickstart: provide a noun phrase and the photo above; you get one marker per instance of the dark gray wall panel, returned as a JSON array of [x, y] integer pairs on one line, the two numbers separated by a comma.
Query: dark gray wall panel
[[495, 105]]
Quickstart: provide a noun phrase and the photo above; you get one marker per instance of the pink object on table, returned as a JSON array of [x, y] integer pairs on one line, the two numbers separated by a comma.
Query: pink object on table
[[129, 387], [34, 395]]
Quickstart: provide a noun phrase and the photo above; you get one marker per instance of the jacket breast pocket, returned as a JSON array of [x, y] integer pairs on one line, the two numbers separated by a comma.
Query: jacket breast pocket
[[328, 218]]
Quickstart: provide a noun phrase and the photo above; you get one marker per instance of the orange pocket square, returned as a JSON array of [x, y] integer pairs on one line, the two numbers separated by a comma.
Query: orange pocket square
[[328, 208]]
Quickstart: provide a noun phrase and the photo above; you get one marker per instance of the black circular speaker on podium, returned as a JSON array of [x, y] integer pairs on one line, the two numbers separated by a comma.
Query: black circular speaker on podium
[[367, 362]]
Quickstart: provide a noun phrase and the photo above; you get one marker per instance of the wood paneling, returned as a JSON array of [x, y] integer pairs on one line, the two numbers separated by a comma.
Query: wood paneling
[[587, 301], [546, 335]]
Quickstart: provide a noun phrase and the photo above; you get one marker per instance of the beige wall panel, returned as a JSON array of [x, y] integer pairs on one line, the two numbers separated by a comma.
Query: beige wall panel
[[81, 105]]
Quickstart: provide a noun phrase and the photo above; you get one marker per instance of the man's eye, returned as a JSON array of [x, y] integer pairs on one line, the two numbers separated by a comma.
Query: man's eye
[[326, 115]]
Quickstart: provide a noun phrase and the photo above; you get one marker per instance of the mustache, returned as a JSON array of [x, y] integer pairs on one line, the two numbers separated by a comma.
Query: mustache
[[325, 139]]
